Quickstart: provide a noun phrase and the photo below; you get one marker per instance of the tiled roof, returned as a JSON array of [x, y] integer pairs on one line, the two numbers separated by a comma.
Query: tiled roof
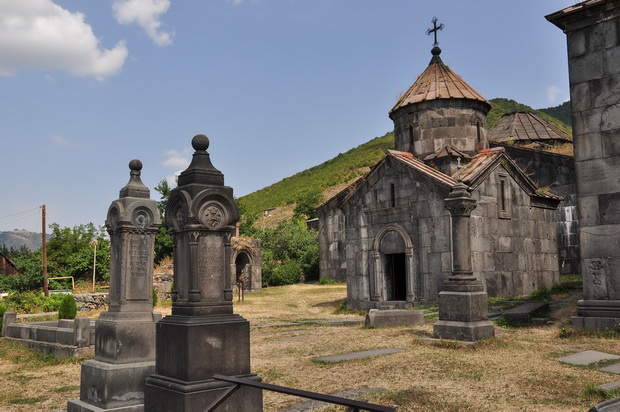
[[525, 127], [438, 82], [415, 163], [447, 151]]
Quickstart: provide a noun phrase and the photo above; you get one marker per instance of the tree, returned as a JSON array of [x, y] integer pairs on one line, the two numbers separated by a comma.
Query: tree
[[163, 240], [307, 204], [70, 252], [289, 253]]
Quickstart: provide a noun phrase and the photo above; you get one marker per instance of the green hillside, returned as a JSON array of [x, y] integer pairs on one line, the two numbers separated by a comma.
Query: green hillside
[[346, 167], [341, 169]]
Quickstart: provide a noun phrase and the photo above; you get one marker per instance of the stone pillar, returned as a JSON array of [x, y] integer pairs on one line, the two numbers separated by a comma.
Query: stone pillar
[[463, 305], [202, 337], [125, 334], [592, 32]]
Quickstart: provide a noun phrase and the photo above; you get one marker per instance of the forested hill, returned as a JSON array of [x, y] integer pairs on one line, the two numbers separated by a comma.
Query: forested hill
[[17, 239], [321, 182]]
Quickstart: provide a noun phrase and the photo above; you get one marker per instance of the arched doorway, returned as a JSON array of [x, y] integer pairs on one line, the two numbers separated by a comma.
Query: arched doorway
[[243, 272], [394, 266]]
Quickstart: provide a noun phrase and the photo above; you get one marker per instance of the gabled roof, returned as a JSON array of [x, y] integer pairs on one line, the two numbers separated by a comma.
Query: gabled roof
[[475, 172], [486, 161], [447, 151], [411, 161], [438, 82], [526, 127]]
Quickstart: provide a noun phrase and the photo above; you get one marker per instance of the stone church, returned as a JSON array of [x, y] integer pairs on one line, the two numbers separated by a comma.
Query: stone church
[[388, 234]]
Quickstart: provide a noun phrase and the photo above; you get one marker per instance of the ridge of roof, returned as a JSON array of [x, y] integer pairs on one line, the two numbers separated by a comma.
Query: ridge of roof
[[438, 82]]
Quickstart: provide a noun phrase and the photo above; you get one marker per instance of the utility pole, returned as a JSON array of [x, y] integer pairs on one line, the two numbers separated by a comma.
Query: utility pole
[[44, 249]]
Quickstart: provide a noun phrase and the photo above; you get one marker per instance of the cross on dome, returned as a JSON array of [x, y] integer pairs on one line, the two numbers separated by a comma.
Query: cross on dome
[[434, 30]]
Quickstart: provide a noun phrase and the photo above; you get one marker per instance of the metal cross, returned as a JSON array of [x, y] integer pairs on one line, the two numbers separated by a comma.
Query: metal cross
[[459, 167], [434, 30]]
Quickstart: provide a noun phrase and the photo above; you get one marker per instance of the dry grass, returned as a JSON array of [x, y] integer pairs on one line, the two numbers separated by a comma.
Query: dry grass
[[515, 371]]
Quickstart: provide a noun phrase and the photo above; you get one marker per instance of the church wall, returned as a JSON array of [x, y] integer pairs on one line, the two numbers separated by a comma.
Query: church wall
[[434, 124], [557, 172], [514, 247], [419, 210], [332, 261]]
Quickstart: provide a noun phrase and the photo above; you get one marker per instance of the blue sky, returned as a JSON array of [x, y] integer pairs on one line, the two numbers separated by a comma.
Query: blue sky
[[277, 85]]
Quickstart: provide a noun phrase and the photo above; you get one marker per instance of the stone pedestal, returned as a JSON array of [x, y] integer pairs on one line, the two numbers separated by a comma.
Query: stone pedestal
[[463, 303], [125, 334], [202, 337]]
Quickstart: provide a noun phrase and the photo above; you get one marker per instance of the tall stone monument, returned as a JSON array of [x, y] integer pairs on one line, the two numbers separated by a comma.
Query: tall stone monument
[[463, 306], [202, 336], [593, 35], [125, 334]]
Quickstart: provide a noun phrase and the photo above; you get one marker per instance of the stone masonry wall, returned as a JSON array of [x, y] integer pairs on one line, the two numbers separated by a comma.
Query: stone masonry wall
[[557, 172], [514, 252], [594, 71]]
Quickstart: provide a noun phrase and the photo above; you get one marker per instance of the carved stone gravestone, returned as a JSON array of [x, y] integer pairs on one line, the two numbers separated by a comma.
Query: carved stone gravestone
[[125, 334], [202, 336]]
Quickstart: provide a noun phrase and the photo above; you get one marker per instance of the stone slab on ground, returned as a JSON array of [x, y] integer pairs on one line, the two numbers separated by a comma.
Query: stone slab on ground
[[587, 357], [524, 313], [615, 368], [612, 405], [394, 317], [357, 355], [312, 405], [608, 387]]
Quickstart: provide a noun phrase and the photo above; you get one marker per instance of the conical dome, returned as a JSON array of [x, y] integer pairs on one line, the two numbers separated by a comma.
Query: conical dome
[[438, 82], [440, 109]]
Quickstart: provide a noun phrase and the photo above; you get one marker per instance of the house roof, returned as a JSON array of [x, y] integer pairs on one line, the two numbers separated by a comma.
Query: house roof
[[525, 127], [438, 82]]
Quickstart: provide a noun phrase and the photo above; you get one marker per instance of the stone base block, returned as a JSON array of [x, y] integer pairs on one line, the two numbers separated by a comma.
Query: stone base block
[[112, 386], [593, 322], [125, 337], [81, 406], [165, 394], [463, 306], [469, 331], [384, 318]]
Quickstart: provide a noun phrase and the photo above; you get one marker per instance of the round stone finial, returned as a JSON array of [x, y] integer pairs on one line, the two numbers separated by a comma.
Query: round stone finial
[[135, 165], [200, 142], [435, 51]]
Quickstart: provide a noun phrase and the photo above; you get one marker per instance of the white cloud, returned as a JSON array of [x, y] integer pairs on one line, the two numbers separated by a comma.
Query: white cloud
[[177, 160], [59, 141], [552, 92], [147, 14], [42, 35]]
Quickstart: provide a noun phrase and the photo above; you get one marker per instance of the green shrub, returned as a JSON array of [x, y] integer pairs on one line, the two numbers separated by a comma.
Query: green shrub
[[326, 281], [68, 308], [155, 297], [2, 310], [25, 302]]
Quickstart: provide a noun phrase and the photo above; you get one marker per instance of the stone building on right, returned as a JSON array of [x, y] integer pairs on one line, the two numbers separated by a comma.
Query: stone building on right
[[592, 30]]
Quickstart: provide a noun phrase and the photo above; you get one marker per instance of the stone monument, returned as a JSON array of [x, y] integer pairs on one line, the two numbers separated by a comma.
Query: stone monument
[[463, 306], [125, 334], [202, 336], [593, 35]]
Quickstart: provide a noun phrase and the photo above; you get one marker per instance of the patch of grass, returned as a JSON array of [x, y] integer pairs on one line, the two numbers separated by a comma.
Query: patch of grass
[[598, 395], [69, 388], [568, 332], [27, 401], [325, 281]]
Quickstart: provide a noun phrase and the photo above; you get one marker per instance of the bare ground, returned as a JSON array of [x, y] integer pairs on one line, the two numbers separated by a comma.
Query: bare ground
[[515, 371]]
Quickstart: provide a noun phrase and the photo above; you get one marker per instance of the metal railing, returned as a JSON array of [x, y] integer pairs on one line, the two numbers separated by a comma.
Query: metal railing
[[353, 405]]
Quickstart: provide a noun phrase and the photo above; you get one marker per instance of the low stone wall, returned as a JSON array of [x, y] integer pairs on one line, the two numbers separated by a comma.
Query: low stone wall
[[62, 338], [91, 301], [163, 282]]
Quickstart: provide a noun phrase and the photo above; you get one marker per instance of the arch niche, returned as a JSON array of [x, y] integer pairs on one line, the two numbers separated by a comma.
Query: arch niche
[[243, 270], [394, 266]]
